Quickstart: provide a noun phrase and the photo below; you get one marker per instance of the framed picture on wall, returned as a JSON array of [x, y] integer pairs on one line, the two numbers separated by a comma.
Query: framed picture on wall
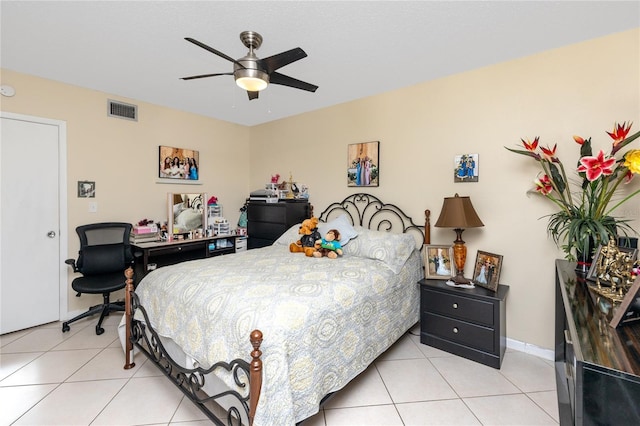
[[363, 164], [465, 168], [86, 189], [178, 164]]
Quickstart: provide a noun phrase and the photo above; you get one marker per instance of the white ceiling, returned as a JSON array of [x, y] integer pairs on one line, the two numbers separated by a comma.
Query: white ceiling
[[136, 49]]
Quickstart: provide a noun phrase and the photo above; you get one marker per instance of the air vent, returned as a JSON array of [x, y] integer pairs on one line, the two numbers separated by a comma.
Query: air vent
[[122, 110]]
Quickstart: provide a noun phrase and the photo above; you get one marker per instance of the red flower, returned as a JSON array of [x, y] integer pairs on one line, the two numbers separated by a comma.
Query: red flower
[[530, 146], [594, 167], [620, 131], [550, 153], [578, 140], [543, 185]]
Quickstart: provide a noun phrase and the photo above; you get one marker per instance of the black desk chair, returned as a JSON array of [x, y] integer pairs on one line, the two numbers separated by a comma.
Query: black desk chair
[[105, 253]]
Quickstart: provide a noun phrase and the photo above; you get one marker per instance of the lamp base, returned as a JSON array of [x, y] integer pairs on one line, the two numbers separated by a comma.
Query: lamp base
[[460, 279]]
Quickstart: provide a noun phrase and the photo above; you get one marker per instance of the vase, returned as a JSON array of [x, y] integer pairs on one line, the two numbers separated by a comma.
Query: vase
[[584, 260]]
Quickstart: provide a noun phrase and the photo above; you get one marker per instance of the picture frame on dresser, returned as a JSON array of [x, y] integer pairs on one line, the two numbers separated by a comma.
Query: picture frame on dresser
[[438, 261], [486, 272]]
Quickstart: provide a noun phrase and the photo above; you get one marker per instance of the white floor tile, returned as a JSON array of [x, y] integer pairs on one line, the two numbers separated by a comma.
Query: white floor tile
[[88, 339], [16, 400], [38, 340], [529, 373], [413, 380], [142, 401], [470, 378], [73, 403], [429, 351], [448, 412], [108, 364], [379, 415], [548, 401], [188, 412], [508, 410], [10, 363], [52, 367], [366, 389], [404, 348]]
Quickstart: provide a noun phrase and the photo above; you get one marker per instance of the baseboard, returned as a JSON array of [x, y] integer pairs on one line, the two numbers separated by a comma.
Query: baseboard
[[528, 348]]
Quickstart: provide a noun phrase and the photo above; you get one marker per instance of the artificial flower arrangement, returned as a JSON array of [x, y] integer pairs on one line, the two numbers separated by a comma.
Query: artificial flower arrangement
[[586, 205]]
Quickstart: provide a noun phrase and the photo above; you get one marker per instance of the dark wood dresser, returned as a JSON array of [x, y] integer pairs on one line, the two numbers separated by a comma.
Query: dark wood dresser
[[467, 322], [267, 221], [597, 367]]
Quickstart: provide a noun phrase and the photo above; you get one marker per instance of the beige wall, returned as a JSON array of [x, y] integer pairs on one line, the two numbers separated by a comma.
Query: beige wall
[[581, 89], [121, 155]]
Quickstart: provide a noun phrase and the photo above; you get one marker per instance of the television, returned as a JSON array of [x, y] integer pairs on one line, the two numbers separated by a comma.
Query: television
[[178, 163]]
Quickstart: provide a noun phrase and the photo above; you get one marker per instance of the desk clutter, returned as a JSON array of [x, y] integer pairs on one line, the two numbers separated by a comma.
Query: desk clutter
[[146, 233]]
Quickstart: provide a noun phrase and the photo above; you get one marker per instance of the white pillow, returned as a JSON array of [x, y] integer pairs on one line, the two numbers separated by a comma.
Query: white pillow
[[343, 224], [391, 249]]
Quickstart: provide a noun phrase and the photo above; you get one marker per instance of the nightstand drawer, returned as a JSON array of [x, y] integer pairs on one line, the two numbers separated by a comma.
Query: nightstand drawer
[[464, 333], [456, 306]]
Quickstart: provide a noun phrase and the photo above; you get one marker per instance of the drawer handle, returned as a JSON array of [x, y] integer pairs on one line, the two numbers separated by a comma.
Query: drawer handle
[[455, 330], [455, 306], [179, 248]]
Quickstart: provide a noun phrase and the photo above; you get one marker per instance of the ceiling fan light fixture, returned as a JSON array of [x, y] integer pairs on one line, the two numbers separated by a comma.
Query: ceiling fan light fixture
[[251, 80]]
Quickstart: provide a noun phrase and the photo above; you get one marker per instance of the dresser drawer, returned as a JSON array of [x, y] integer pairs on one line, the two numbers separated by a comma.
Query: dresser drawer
[[266, 230], [267, 213], [464, 333], [177, 248], [457, 306]]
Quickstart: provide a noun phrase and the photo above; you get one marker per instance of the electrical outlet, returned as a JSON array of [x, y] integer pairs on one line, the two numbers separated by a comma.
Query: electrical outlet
[[93, 206]]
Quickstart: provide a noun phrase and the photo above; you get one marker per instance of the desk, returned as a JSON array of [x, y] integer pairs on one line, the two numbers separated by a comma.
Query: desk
[[163, 253]]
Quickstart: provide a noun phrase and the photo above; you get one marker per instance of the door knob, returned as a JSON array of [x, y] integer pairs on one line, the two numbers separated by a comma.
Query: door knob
[[51, 234]]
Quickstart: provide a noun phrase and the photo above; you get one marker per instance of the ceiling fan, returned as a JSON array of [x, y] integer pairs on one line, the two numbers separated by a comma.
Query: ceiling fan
[[254, 74]]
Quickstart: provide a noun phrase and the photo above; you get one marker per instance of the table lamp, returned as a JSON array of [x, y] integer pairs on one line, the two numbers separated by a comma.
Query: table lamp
[[458, 213]]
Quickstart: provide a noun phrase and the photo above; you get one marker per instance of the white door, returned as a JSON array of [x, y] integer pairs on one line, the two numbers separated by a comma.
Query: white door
[[30, 269]]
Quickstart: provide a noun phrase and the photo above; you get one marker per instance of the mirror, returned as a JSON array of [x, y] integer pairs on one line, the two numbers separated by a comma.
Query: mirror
[[186, 212]]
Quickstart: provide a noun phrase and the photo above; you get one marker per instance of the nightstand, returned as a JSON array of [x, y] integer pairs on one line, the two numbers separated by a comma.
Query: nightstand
[[470, 323]]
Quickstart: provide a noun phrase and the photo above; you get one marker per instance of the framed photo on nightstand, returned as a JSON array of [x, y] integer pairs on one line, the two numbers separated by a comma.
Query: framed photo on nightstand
[[486, 272], [438, 262]]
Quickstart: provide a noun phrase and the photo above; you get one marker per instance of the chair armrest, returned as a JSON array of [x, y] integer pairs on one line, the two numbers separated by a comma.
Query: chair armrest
[[72, 263]]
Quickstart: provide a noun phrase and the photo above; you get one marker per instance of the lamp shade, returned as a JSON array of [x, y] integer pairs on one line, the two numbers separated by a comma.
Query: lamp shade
[[458, 212]]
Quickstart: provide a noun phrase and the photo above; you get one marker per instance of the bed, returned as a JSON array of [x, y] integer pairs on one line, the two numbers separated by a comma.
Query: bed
[[264, 336]]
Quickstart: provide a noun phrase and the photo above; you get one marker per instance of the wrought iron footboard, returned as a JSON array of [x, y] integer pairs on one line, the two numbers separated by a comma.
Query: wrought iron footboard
[[246, 375]]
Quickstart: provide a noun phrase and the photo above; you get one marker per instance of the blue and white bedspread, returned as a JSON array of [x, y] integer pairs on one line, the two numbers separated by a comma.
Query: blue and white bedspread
[[324, 320]]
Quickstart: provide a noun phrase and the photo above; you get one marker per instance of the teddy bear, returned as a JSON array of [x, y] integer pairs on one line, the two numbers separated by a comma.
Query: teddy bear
[[329, 245], [309, 235]]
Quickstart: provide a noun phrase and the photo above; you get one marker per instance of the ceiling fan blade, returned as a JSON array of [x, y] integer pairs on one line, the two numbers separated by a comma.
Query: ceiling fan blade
[[274, 62], [252, 95], [214, 51], [277, 78], [205, 75]]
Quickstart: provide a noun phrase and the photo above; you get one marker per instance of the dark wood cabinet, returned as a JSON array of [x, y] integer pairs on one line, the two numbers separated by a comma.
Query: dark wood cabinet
[[467, 322], [267, 221], [597, 366]]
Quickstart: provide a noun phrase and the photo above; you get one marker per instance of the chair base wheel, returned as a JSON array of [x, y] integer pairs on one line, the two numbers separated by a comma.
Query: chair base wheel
[[65, 327], [99, 330]]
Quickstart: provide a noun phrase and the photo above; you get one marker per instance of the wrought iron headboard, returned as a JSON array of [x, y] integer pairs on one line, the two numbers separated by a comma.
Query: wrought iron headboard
[[370, 212]]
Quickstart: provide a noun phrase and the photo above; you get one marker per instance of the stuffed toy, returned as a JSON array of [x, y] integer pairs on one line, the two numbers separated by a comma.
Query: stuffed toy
[[309, 235], [329, 245]]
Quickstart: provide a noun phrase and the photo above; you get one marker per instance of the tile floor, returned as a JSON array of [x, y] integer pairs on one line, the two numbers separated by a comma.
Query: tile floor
[[76, 378]]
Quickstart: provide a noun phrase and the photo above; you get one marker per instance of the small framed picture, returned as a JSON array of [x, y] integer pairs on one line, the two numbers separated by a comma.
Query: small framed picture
[[86, 189], [438, 262], [465, 168], [486, 272], [611, 264]]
